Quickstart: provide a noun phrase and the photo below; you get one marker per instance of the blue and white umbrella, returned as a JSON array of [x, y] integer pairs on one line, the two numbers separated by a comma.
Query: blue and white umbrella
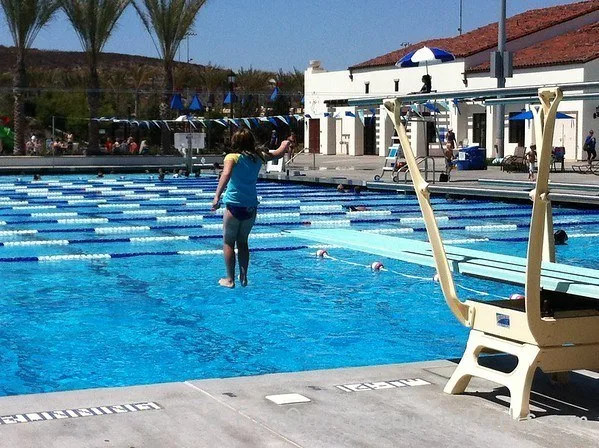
[[425, 56]]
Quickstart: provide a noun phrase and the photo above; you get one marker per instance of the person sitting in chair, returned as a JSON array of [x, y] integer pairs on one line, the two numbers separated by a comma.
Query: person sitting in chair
[[426, 84]]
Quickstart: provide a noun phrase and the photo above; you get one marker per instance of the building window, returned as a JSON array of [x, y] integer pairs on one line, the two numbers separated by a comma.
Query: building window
[[366, 87], [516, 130], [396, 81]]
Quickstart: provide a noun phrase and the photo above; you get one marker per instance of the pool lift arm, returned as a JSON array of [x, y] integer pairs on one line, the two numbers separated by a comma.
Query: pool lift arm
[[463, 312]]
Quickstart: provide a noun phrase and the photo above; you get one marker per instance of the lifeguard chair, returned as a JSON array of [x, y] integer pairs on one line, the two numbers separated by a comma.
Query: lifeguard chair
[[552, 330]]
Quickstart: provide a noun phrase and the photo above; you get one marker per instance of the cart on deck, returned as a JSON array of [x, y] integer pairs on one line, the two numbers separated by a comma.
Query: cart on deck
[[392, 161]]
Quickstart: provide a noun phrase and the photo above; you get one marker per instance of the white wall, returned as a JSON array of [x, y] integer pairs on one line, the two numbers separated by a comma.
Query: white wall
[[321, 86]]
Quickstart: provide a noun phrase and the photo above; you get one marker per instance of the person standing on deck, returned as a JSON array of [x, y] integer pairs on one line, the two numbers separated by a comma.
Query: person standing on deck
[[589, 146]]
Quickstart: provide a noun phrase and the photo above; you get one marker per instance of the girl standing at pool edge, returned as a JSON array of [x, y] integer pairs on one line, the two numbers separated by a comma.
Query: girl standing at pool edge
[[238, 181]]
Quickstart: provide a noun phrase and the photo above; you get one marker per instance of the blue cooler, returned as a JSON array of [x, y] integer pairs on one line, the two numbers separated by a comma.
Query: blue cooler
[[472, 158]]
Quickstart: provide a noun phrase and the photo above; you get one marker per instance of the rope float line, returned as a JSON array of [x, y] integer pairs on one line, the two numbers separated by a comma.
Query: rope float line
[[91, 257], [377, 266], [148, 239]]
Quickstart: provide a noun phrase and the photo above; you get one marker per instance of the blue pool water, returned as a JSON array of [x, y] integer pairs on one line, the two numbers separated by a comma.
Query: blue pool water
[[111, 282]]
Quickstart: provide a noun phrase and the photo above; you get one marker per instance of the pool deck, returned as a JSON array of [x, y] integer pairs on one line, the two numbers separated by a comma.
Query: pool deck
[[375, 406], [571, 187], [381, 406]]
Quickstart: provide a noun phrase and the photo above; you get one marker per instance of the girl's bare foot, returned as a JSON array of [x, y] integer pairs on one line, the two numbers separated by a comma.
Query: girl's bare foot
[[226, 282]]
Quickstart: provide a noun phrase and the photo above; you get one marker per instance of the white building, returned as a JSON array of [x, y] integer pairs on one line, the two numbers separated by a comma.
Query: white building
[[555, 45]]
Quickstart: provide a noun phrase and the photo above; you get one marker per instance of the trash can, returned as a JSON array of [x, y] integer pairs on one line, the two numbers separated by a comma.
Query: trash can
[[472, 158]]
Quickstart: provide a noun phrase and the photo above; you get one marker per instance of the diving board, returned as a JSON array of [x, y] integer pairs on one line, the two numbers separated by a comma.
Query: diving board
[[475, 263], [555, 327]]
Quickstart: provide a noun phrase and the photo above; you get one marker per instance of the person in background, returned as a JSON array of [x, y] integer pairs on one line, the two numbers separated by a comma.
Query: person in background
[[448, 154], [70, 142], [589, 146], [273, 143], [143, 148], [426, 84], [131, 146], [450, 138], [237, 191], [560, 237], [531, 160]]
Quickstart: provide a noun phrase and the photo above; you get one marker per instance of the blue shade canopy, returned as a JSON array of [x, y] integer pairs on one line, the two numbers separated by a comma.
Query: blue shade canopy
[[432, 107], [230, 98], [528, 116], [425, 56], [275, 94], [176, 102], [196, 104]]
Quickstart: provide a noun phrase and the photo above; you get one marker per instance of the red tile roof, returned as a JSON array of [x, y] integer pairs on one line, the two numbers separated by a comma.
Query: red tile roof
[[576, 47], [485, 38]]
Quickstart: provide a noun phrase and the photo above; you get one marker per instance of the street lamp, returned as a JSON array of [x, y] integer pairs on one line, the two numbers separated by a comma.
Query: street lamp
[[187, 36], [231, 79], [209, 106]]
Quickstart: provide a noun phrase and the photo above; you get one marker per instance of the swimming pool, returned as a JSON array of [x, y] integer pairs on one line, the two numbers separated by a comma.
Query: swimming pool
[[112, 282]]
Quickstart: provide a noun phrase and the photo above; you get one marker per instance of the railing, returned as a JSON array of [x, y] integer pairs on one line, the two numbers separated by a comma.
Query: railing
[[302, 151], [426, 161]]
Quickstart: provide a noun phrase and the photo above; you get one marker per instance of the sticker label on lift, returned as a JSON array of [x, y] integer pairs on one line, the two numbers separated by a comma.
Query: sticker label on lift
[[503, 320]]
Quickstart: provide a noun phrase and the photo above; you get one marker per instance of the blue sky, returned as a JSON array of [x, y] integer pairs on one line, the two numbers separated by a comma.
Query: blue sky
[[273, 34]]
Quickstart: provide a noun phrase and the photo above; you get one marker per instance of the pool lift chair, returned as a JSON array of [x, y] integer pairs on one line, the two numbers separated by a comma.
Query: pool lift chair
[[554, 331], [392, 164]]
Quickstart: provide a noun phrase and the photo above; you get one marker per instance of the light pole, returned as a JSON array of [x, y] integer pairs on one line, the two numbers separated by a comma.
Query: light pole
[[231, 79], [500, 66], [188, 36], [209, 106]]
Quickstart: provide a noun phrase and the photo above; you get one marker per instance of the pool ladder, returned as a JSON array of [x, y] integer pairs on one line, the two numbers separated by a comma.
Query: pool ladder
[[427, 161]]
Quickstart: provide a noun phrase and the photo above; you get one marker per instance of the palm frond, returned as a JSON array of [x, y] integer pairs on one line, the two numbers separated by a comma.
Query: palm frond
[[25, 18], [168, 22], [94, 20]]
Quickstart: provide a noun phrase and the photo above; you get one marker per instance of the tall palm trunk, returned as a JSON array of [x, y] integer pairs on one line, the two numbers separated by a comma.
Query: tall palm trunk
[[169, 82], [93, 101], [19, 83]]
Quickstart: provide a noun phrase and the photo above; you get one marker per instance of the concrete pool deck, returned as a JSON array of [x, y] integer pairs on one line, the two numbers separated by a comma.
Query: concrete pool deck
[[381, 406], [376, 406]]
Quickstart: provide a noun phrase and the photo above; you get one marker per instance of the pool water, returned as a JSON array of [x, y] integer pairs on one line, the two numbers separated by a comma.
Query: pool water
[[95, 295]]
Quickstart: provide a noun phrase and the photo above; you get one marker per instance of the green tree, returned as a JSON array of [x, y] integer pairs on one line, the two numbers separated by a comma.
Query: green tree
[[93, 21], [252, 85], [168, 22], [25, 19]]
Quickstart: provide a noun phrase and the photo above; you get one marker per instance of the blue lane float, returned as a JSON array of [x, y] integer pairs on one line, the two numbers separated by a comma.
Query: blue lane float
[[96, 257]]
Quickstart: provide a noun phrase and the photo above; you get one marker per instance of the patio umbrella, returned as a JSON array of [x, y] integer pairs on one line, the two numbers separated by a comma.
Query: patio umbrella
[[528, 116], [196, 104], [176, 102], [425, 56], [230, 98]]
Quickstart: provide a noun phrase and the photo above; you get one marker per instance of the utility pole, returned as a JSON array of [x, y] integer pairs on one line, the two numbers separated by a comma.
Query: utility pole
[[461, 8], [500, 68]]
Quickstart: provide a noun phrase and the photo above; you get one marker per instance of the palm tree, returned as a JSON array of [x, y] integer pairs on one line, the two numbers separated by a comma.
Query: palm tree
[[252, 86], [25, 19], [140, 76], [168, 22], [93, 21], [214, 78]]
